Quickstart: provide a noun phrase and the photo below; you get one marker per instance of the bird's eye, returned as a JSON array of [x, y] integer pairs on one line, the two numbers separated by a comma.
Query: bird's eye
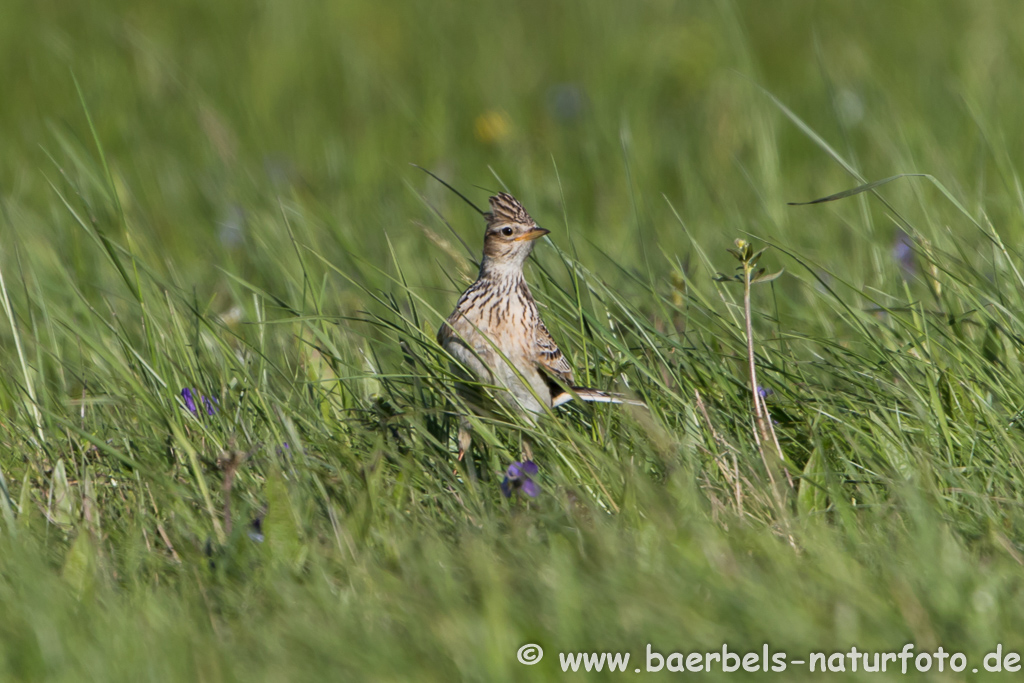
[[506, 231]]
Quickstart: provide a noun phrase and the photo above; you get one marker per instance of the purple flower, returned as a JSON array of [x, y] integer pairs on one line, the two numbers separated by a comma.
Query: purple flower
[[519, 477], [210, 410], [567, 101], [764, 392], [190, 402], [903, 253]]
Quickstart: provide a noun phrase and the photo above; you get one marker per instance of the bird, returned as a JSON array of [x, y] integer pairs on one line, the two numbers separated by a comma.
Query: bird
[[496, 334]]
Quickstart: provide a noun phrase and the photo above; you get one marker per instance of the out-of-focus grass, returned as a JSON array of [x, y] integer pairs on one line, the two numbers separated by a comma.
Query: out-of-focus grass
[[240, 219]]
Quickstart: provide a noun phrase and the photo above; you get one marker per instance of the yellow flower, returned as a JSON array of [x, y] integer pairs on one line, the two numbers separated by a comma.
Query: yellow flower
[[492, 126]]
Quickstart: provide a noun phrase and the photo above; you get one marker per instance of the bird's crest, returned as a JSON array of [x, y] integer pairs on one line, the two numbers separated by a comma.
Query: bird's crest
[[506, 209]]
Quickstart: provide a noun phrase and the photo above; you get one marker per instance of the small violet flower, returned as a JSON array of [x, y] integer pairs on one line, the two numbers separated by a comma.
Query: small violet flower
[[903, 254], [190, 402], [519, 477]]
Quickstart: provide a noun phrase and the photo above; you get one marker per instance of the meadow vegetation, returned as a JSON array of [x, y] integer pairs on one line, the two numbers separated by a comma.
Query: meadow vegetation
[[218, 198]]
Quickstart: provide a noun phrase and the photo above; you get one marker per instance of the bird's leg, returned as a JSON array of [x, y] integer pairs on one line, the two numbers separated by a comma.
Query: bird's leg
[[527, 449], [465, 436]]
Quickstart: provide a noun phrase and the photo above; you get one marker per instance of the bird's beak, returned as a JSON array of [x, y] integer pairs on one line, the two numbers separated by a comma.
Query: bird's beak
[[532, 235]]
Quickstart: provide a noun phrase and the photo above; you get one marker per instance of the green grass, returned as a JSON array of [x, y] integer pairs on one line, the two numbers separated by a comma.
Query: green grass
[[218, 196]]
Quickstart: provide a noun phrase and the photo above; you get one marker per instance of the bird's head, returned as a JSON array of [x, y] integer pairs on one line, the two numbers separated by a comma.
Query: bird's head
[[510, 232]]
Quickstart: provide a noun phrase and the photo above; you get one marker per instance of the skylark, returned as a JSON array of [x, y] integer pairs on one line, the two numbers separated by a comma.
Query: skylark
[[496, 334]]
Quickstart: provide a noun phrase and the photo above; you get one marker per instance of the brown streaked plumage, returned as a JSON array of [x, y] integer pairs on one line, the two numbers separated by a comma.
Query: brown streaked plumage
[[496, 334]]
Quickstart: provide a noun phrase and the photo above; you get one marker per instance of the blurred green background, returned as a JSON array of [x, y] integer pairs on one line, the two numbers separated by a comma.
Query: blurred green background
[[219, 196], [209, 114]]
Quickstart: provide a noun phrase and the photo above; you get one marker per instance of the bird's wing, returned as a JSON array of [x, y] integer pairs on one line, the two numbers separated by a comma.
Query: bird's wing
[[554, 364], [549, 357]]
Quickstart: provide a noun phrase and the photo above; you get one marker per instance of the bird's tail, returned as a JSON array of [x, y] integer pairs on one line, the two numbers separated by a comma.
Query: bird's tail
[[593, 396]]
